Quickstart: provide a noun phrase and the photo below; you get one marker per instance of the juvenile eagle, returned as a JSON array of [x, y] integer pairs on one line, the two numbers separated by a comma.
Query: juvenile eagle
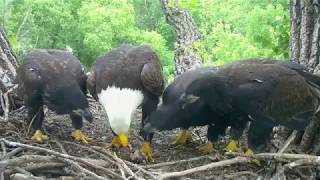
[[266, 92], [54, 78]]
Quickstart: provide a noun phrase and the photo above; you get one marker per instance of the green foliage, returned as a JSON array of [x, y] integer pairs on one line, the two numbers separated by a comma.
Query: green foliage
[[230, 30]]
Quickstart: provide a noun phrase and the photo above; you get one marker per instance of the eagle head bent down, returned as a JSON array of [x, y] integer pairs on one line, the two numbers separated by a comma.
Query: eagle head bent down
[[54, 78], [123, 79], [120, 105]]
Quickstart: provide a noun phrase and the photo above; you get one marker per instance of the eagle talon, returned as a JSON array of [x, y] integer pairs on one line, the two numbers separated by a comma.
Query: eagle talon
[[77, 134], [183, 138], [231, 147], [206, 148], [119, 141], [39, 137], [146, 150], [250, 153]]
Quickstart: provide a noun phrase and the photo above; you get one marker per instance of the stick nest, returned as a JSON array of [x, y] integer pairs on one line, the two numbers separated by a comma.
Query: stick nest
[[62, 158]]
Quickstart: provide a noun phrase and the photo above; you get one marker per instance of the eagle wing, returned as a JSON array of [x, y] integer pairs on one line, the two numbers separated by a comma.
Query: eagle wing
[[152, 78]]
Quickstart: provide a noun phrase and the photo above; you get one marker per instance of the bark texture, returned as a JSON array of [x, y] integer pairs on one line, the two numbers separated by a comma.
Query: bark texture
[[186, 55], [304, 49], [8, 67]]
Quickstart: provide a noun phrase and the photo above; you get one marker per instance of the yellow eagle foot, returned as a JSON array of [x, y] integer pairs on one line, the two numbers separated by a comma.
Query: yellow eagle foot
[[39, 137], [206, 148], [183, 138], [78, 136], [231, 147], [146, 150], [249, 153], [119, 141]]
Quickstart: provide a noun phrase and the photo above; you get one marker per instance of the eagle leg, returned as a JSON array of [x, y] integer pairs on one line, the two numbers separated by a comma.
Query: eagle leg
[[183, 138], [79, 136], [77, 124], [206, 148], [35, 117], [39, 137], [146, 150], [231, 147]]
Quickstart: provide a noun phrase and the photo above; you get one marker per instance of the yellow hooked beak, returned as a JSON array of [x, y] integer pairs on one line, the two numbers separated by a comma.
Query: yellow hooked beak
[[123, 140]]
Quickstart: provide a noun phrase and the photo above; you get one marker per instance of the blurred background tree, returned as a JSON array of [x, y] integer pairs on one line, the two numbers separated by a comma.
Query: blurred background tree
[[230, 30]]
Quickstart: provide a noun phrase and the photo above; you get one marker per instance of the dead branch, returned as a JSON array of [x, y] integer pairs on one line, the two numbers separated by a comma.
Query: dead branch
[[4, 150], [281, 157], [176, 162], [25, 159], [12, 153], [289, 141], [20, 176], [241, 173], [125, 167], [61, 155], [206, 167], [137, 167], [81, 169]]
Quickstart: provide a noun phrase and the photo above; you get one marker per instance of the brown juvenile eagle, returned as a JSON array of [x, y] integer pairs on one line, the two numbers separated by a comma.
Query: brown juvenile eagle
[[54, 78], [266, 92]]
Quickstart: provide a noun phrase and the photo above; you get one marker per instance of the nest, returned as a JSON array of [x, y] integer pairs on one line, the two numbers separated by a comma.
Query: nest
[[62, 158]]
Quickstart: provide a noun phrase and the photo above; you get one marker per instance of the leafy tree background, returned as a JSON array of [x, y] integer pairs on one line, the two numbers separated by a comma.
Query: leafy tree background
[[230, 30]]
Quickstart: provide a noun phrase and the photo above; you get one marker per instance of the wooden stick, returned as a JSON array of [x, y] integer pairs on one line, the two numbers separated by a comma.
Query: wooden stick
[[25, 159], [13, 152], [81, 160], [223, 163], [103, 151], [174, 162], [289, 141], [81, 169], [125, 167], [241, 173], [4, 150]]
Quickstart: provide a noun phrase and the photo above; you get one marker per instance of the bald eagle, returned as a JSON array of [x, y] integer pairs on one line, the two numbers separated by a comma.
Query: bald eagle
[[266, 92], [54, 78], [122, 80]]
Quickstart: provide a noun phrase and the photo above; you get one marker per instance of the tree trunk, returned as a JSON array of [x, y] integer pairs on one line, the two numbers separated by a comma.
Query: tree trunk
[[8, 67], [186, 55], [304, 49]]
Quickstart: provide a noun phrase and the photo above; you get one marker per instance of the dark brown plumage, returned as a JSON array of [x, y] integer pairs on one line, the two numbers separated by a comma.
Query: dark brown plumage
[[129, 73], [56, 79], [265, 92]]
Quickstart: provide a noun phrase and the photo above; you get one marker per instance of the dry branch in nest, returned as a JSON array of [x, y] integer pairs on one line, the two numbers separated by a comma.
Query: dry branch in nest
[[21, 167]]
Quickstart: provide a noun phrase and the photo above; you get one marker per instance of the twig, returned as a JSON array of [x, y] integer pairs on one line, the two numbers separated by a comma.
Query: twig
[[23, 171], [140, 169], [40, 166], [13, 152], [60, 146], [20, 176], [125, 167], [81, 169], [25, 159], [4, 150], [223, 163], [174, 162], [35, 148], [241, 173], [7, 102], [281, 157], [93, 150], [289, 141], [127, 162], [279, 169]]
